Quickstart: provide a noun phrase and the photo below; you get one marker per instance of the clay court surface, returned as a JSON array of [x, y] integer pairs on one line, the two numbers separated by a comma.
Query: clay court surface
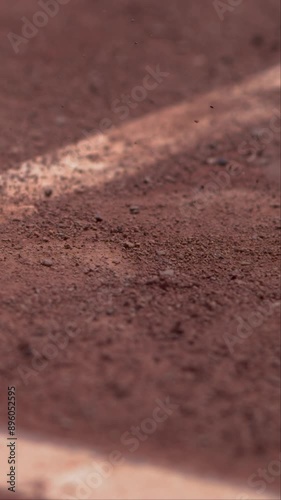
[[139, 248]]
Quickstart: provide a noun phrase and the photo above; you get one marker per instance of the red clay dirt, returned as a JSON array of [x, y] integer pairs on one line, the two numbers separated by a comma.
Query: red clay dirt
[[140, 248]]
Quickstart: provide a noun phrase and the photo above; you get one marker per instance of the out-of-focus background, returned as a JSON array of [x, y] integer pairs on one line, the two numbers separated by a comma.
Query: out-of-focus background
[[139, 240]]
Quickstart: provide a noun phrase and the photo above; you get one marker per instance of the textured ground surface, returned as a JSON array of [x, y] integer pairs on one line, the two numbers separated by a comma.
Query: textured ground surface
[[147, 254]]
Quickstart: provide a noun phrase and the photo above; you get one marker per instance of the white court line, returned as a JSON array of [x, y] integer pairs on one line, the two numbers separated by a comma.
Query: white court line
[[157, 132], [54, 471]]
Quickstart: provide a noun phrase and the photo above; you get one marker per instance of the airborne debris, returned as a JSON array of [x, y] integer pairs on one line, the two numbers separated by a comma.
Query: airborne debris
[[134, 209]]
